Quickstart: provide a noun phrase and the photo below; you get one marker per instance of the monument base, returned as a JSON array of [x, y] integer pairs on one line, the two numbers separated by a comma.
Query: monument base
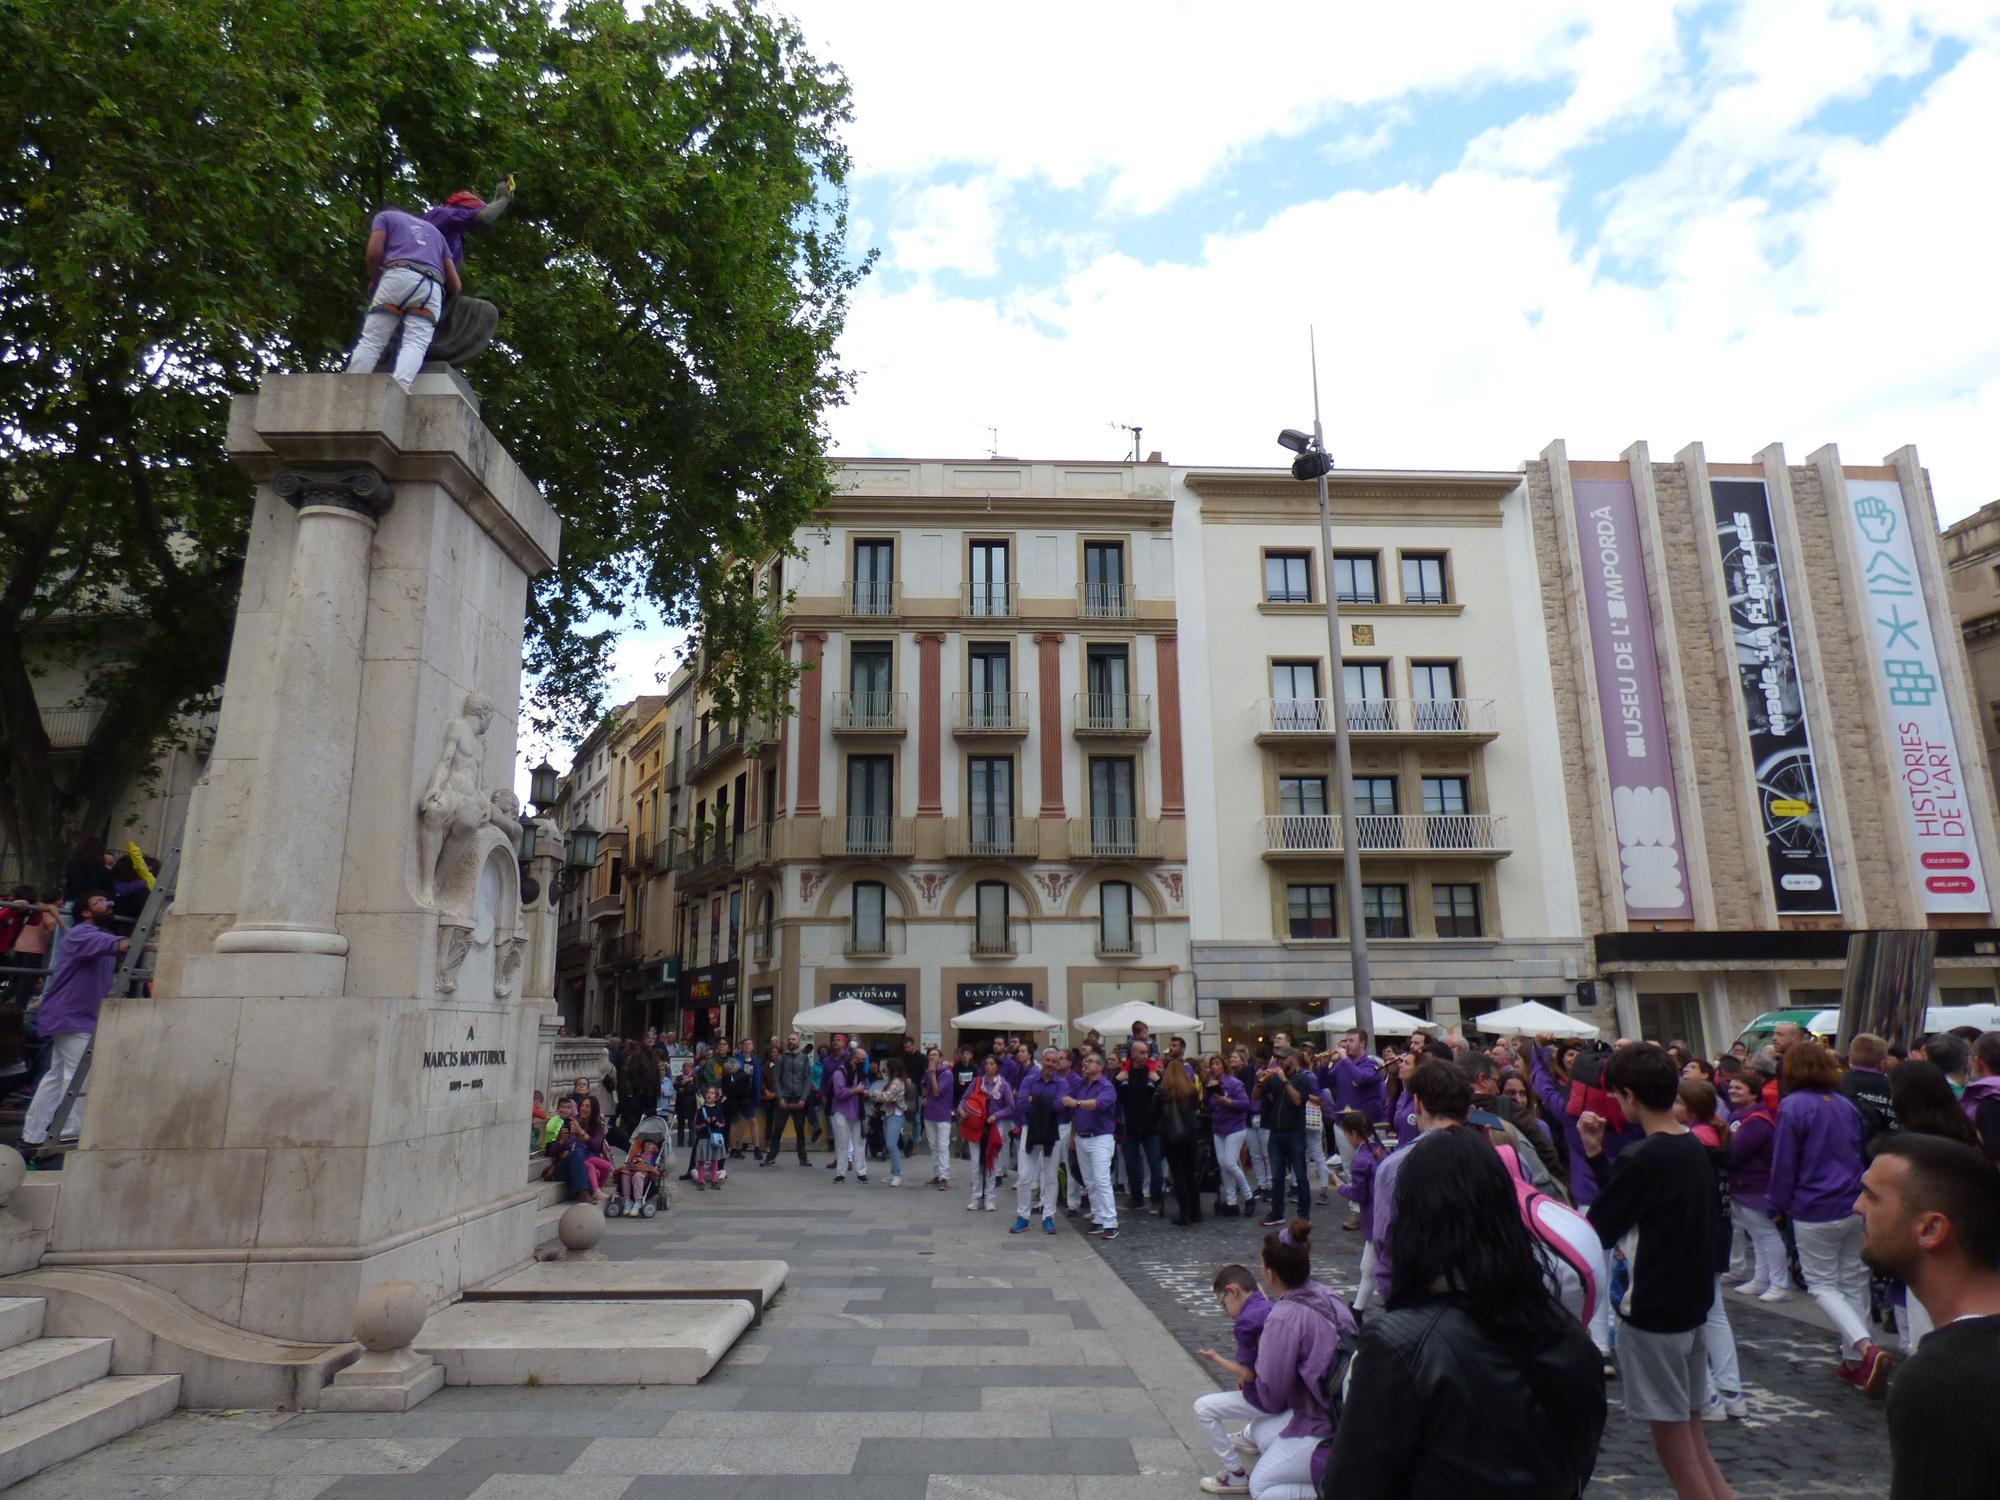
[[395, 1381]]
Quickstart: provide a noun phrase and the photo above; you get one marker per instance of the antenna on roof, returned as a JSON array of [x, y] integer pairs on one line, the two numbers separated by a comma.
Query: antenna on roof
[[993, 441], [1135, 430]]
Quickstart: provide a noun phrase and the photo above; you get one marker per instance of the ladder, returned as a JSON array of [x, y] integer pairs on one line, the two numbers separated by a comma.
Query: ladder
[[134, 971]]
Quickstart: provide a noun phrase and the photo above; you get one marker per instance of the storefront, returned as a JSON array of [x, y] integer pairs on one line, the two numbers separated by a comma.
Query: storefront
[[708, 1004], [889, 996]]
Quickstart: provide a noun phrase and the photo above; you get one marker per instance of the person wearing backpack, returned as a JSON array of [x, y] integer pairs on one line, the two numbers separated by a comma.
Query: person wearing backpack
[[1474, 1381], [1295, 1381]]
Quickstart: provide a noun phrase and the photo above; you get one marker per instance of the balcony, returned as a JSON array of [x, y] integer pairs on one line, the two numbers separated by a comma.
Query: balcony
[[622, 951], [871, 713], [671, 773], [708, 860], [762, 945], [570, 941], [71, 728], [1106, 601], [755, 846], [991, 838], [1438, 835], [987, 601], [1118, 947], [640, 860], [1382, 720], [718, 742], [861, 836], [992, 939], [666, 854], [872, 600], [879, 943], [1116, 716], [982, 715], [1114, 838]]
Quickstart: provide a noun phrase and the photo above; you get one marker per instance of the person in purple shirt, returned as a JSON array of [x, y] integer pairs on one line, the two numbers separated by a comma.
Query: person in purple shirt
[[464, 211], [78, 982], [1815, 1177], [1093, 1104], [1554, 1097], [850, 1082], [1229, 1120], [1038, 1117], [1297, 1349], [939, 1091], [1248, 1309], [1752, 1133], [409, 276]]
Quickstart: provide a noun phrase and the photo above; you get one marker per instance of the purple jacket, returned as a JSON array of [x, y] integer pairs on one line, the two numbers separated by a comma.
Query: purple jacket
[[1229, 1106], [1360, 1085], [847, 1096], [1011, 1070], [1406, 1118], [1249, 1326], [1976, 1092], [1297, 1348], [79, 980], [1359, 1189], [938, 1089], [1103, 1118], [1816, 1158], [1751, 1137]]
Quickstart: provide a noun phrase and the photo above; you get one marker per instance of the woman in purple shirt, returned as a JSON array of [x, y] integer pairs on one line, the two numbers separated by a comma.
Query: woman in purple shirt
[[939, 1091], [850, 1150], [1752, 1133], [1229, 1118], [1815, 1177], [1296, 1350]]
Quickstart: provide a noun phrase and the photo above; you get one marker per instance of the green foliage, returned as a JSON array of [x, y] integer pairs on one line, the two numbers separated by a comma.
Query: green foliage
[[183, 209]]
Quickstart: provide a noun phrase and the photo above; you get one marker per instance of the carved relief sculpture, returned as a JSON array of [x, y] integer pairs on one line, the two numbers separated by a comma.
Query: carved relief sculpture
[[454, 802]]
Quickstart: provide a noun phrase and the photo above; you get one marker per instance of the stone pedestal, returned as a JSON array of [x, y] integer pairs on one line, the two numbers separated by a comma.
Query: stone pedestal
[[330, 1086]]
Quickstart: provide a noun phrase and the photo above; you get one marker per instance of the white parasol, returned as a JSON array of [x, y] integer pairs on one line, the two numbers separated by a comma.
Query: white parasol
[[1386, 1020], [1118, 1019], [1531, 1018], [1005, 1015], [849, 1016]]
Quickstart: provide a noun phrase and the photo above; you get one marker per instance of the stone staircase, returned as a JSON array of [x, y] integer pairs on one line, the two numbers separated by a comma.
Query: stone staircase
[[58, 1398]]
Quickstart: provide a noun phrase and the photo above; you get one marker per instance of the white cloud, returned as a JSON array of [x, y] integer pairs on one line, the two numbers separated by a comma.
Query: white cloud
[[950, 227]]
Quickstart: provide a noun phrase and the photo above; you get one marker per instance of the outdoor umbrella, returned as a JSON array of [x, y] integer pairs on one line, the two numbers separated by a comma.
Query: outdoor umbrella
[[1531, 1018], [1386, 1020], [1005, 1015], [1118, 1019], [849, 1016]]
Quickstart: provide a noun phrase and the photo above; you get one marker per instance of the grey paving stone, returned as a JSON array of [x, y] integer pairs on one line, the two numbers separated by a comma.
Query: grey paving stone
[[777, 1487], [978, 1456], [1039, 1376], [994, 1338], [639, 1421], [928, 1398], [403, 1487], [553, 1487], [1080, 1424], [812, 1456], [508, 1455]]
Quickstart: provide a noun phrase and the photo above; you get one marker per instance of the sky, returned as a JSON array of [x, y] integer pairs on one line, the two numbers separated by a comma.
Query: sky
[[1732, 223]]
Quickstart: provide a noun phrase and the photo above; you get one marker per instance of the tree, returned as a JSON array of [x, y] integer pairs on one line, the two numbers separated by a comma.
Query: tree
[[182, 212]]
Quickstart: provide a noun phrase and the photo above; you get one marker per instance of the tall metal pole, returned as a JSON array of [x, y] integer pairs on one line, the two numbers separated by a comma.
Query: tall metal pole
[[1343, 760]]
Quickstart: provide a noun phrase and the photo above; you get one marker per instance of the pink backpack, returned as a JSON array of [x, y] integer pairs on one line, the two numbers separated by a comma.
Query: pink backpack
[[1528, 1199]]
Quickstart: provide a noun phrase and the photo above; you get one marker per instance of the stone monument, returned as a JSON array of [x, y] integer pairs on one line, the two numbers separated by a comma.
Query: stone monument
[[330, 1086]]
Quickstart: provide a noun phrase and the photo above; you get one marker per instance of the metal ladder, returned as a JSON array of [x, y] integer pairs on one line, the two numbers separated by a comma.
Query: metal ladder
[[134, 970]]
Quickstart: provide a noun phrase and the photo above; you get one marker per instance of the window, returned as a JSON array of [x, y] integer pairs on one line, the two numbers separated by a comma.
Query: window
[[1302, 819], [990, 678], [1295, 700], [735, 921], [1447, 822], [988, 592], [1354, 578], [1114, 918], [1114, 819], [1288, 577], [1423, 578], [1108, 684], [1375, 824], [868, 803], [1384, 911], [990, 804], [1309, 911], [1104, 593], [874, 578], [1444, 794], [767, 924], [1434, 686], [1365, 685], [871, 674], [868, 931], [1456, 908], [991, 931]]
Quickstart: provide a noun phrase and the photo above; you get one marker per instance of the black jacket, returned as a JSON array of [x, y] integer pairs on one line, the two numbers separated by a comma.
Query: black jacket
[[1436, 1409]]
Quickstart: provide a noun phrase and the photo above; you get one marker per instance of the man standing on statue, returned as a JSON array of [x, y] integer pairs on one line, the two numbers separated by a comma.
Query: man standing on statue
[[409, 274], [82, 977]]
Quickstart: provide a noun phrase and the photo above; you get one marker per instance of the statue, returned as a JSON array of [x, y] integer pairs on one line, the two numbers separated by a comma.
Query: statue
[[453, 802]]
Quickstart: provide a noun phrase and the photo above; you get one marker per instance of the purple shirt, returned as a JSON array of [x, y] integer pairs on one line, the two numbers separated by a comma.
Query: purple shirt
[[1384, 1188], [1101, 1120], [1012, 1071], [1359, 1189], [1406, 1118], [847, 1096], [1978, 1092], [407, 237], [1816, 1158], [1751, 1136], [79, 980], [1229, 1106], [1034, 1087], [451, 221], [1359, 1084], [1249, 1327], [1300, 1339], [938, 1089]]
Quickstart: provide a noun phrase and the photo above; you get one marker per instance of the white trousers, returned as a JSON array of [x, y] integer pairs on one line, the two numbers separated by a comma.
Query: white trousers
[[850, 1146], [1094, 1153], [1284, 1465], [1038, 1170], [1830, 1257], [1316, 1168], [1720, 1343], [399, 287], [939, 1132], [1229, 1166], [1073, 1194], [1216, 1408], [1259, 1141], [1365, 1289], [66, 1049], [1767, 1246]]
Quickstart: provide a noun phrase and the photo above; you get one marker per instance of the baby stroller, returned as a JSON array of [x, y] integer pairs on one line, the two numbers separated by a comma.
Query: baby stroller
[[653, 1128]]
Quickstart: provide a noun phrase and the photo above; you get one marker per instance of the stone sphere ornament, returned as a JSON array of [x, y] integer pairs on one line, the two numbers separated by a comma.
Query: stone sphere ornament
[[580, 1227], [13, 1172], [389, 1316]]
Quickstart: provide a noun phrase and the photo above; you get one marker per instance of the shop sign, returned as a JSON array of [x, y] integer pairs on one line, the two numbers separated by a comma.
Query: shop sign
[[875, 994], [972, 996]]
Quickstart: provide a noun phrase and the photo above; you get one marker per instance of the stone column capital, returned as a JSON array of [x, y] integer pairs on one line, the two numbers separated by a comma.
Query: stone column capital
[[1049, 637], [930, 638], [356, 487]]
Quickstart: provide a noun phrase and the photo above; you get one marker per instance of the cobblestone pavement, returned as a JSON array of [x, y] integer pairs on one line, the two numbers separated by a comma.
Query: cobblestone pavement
[[1806, 1437]]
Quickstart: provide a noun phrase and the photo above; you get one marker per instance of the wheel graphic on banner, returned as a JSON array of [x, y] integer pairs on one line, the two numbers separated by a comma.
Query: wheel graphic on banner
[[1785, 783]]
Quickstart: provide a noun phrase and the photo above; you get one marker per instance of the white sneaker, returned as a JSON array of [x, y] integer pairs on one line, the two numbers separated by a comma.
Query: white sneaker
[[992, 1207], [1776, 1294], [1714, 1411], [1228, 1482], [1241, 1442], [895, 1182], [972, 1207], [1750, 1289], [1735, 1405]]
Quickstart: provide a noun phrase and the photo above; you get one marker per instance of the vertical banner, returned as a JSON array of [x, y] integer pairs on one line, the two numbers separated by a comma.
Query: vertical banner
[[1645, 809], [1767, 669], [1903, 655]]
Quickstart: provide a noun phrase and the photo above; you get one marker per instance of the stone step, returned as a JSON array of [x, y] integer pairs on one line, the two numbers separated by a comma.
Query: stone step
[[48, 1367], [54, 1431], [20, 1320], [578, 1343]]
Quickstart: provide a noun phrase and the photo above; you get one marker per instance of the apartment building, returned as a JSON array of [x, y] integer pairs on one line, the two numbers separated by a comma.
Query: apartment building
[[1769, 736], [1467, 887], [1972, 563]]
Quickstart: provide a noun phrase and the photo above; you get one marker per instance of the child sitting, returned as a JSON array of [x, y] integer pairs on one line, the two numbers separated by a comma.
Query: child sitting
[[641, 1163], [711, 1134], [1247, 1307]]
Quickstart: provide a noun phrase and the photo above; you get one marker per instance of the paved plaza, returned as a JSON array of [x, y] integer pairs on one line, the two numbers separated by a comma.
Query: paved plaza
[[919, 1352]]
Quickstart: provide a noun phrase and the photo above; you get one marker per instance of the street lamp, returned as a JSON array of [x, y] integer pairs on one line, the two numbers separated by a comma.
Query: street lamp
[[582, 847], [543, 781], [1314, 462]]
